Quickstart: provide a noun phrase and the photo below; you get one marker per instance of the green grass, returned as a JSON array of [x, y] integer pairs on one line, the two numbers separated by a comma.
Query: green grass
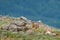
[[3, 23], [33, 36]]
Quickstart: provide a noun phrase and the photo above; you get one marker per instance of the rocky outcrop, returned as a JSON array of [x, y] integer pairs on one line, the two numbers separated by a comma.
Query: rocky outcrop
[[18, 25], [22, 24]]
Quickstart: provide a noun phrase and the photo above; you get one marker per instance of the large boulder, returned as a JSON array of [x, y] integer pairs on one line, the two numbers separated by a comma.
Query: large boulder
[[14, 27]]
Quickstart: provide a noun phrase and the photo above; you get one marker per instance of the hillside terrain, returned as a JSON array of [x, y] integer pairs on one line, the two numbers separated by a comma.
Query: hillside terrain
[[21, 28]]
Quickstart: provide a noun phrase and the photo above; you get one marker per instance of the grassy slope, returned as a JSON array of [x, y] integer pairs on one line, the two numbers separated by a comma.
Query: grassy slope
[[33, 36], [20, 36]]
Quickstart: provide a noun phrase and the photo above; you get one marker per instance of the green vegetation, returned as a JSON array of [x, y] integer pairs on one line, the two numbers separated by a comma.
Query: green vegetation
[[2, 22], [38, 34], [33, 36]]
